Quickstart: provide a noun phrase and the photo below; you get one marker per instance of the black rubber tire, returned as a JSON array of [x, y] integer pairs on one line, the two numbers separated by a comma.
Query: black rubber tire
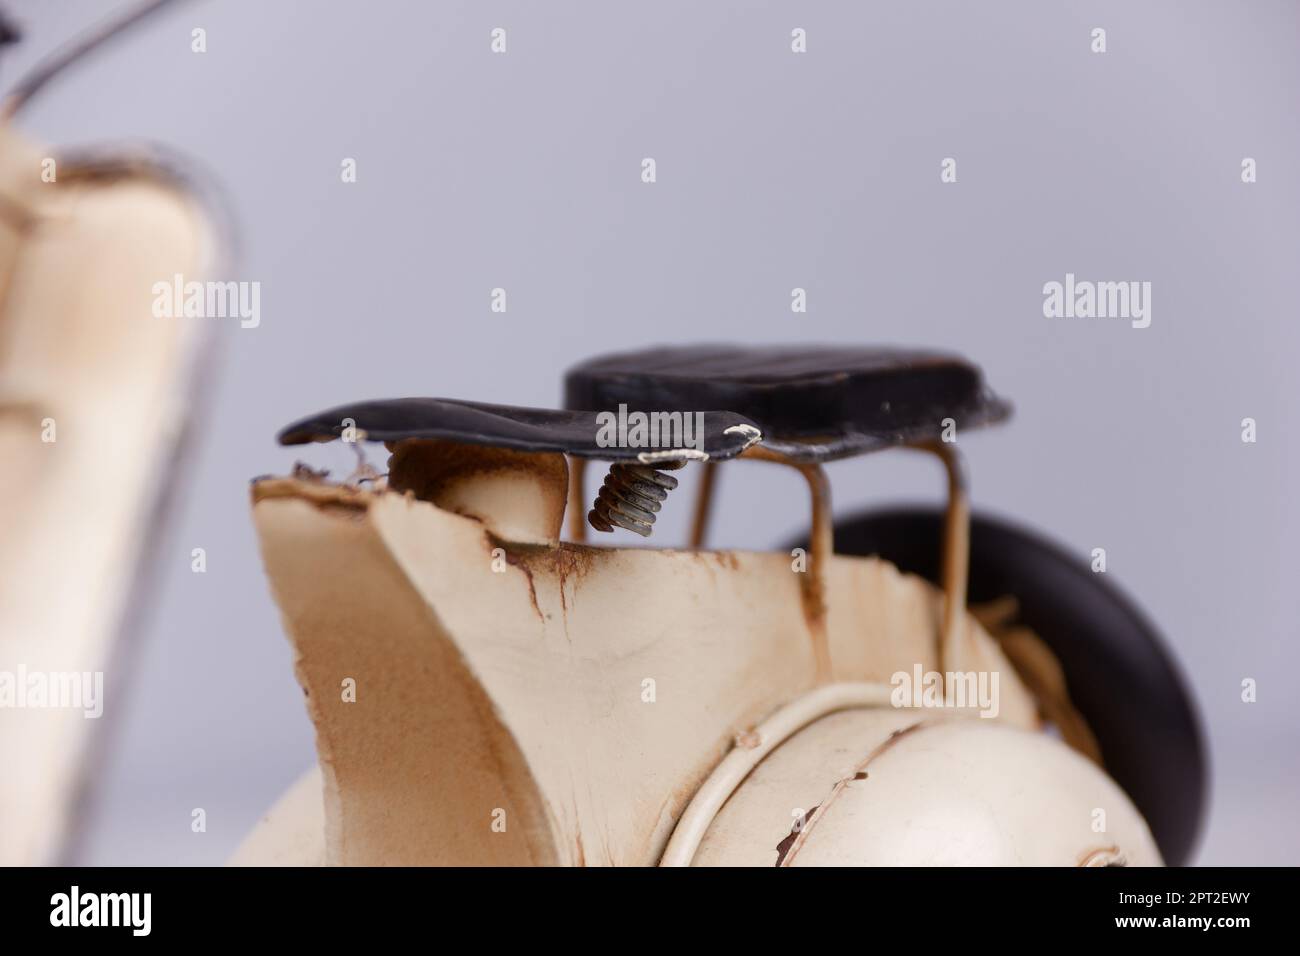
[[1120, 675]]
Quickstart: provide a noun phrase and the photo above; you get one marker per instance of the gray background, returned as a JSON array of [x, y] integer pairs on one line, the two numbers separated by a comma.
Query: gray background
[[775, 170]]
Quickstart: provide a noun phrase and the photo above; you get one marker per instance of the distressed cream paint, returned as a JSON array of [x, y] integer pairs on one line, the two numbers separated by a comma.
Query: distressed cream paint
[[500, 673]]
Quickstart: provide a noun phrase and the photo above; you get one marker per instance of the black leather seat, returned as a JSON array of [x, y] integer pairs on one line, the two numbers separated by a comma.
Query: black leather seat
[[809, 403], [812, 403], [726, 434]]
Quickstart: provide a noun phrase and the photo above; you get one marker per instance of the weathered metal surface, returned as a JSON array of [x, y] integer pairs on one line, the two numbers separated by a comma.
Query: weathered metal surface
[[491, 674]]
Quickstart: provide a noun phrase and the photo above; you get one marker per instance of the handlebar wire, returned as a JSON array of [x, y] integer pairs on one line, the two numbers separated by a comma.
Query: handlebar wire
[[69, 53]]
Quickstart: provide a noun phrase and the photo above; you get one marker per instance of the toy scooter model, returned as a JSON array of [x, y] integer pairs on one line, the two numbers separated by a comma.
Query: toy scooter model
[[485, 691]]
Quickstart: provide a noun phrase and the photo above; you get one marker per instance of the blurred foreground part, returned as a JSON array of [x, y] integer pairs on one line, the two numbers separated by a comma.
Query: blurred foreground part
[[94, 393]]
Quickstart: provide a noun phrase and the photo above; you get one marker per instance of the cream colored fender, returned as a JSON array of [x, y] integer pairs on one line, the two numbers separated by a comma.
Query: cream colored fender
[[485, 694], [908, 787], [94, 396]]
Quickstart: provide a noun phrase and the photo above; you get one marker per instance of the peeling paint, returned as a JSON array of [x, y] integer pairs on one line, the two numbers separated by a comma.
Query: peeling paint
[[514, 561], [727, 559], [784, 847], [791, 845], [1103, 856]]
